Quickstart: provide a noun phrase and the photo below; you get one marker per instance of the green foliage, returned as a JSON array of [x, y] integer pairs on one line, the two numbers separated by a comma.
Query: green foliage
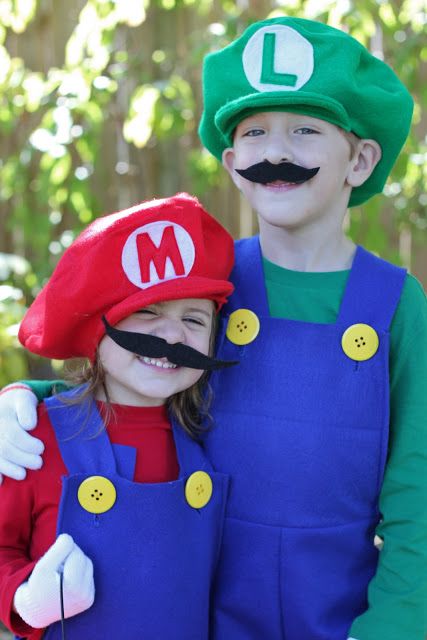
[[109, 114], [13, 362]]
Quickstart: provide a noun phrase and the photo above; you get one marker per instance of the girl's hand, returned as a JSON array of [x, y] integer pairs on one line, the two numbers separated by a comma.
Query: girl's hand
[[37, 601], [18, 450]]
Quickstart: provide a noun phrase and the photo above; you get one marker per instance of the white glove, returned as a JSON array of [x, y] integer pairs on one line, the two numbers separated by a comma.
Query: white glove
[[18, 414], [37, 601]]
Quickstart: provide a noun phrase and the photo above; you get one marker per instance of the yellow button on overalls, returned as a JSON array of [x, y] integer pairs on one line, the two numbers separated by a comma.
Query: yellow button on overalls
[[360, 342], [198, 489], [96, 494], [243, 326]]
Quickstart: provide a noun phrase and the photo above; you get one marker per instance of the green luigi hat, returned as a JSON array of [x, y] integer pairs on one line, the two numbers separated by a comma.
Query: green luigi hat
[[298, 65]]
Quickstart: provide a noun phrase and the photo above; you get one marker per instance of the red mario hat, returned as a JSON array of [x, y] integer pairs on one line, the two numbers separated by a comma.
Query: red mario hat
[[156, 251]]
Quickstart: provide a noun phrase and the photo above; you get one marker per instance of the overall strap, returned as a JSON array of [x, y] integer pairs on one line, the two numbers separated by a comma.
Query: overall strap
[[82, 439], [373, 291], [190, 453], [248, 279]]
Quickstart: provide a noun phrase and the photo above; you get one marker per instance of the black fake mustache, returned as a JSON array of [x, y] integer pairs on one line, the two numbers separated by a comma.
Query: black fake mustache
[[264, 172], [154, 347]]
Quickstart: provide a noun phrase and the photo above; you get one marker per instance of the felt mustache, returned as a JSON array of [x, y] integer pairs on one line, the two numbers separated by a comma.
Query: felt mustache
[[154, 347], [266, 171]]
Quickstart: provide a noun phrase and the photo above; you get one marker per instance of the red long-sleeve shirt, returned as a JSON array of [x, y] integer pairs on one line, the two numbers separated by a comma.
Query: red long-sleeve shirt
[[29, 508]]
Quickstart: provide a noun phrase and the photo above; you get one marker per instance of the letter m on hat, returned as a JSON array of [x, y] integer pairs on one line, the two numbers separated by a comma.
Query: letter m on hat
[[157, 252], [148, 253]]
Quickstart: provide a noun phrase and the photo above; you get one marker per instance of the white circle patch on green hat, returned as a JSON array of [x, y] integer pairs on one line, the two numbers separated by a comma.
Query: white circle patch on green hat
[[278, 58]]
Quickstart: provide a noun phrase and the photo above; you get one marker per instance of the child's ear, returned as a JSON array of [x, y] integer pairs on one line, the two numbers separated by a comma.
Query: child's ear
[[228, 161], [365, 159]]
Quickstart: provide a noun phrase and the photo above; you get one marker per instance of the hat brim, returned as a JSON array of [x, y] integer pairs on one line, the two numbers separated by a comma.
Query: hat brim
[[229, 116]]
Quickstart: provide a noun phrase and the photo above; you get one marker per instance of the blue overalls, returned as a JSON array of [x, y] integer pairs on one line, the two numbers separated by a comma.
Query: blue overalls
[[153, 554], [302, 429]]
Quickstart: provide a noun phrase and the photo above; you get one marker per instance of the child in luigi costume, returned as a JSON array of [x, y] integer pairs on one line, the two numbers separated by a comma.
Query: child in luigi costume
[[322, 428], [126, 515]]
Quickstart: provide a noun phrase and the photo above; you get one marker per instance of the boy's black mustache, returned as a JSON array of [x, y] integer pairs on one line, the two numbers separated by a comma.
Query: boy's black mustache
[[266, 171], [154, 347]]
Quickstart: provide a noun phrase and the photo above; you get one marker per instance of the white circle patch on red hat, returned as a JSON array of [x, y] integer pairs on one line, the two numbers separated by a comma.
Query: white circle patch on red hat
[[157, 252], [278, 58]]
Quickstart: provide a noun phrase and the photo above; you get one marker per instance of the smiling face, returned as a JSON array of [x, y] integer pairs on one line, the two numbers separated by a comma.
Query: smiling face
[[309, 142], [139, 381]]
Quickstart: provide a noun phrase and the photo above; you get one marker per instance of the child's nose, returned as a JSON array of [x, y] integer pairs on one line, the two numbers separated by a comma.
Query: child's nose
[[170, 330], [278, 151]]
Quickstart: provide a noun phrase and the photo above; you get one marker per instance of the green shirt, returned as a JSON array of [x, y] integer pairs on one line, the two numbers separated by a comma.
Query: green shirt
[[398, 592]]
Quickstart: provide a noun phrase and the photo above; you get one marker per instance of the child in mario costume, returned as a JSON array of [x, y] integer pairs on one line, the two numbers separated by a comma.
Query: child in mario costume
[[135, 528], [323, 427]]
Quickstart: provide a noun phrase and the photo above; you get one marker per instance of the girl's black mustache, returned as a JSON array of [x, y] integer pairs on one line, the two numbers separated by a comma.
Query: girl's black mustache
[[266, 171], [154, 347]]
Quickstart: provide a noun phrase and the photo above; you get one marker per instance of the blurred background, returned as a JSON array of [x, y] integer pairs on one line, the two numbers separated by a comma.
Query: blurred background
[[99, 106]]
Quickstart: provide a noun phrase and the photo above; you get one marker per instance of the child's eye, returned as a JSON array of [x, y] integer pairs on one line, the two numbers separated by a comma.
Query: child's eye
[[147, 311], [193, 320], [306, 130], [253, 132]]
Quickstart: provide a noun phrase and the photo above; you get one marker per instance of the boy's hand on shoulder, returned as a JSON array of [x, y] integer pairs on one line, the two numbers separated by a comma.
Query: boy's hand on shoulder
[[37, 601], [18, 415]]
